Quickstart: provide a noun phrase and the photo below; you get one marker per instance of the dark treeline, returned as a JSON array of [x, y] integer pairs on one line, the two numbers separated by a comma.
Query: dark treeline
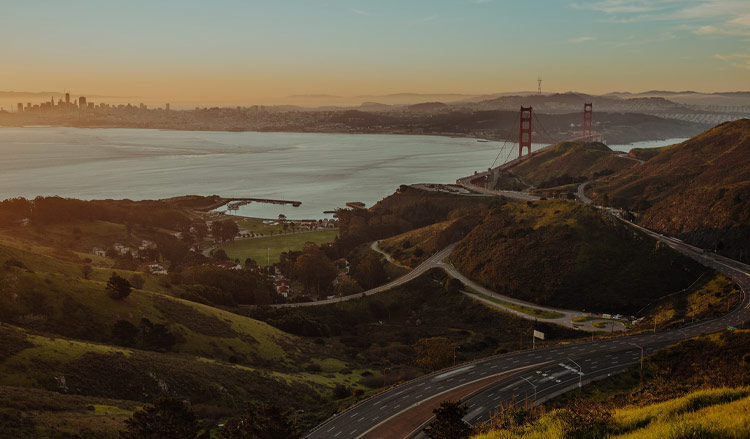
[[57, 210]]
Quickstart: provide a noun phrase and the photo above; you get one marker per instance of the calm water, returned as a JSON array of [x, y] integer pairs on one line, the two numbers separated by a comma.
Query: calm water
[[323, 171]]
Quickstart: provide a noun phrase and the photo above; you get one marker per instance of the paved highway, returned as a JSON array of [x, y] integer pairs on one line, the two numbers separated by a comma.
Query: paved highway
[[539, 374]]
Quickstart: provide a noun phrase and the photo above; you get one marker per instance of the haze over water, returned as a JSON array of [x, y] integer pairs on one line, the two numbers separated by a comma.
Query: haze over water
[[324, 171]]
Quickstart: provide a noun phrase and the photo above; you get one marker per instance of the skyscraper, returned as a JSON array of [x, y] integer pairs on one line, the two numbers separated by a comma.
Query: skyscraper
[[20, 107], [82, 103], [67, 99]]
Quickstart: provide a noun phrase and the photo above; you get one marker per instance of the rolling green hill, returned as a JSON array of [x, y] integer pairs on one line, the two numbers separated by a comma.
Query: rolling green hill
[[569, 255]]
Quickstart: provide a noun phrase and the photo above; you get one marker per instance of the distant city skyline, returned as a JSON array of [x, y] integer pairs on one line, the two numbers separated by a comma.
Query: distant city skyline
[[239, 52]]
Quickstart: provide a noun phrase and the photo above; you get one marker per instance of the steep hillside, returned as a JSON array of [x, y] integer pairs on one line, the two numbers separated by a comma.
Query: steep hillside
[[568, 255], [698, 190], [566, 163]]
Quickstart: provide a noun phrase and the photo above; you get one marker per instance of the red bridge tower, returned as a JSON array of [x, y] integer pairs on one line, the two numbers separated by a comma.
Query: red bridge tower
[[524, 136], [588, 117]]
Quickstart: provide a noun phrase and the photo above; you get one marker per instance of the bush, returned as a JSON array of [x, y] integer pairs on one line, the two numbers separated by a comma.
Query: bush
[[341, 391], [13, 262]]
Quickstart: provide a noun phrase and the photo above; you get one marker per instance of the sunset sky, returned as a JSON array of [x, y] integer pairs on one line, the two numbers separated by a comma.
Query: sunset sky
[[248, 51]]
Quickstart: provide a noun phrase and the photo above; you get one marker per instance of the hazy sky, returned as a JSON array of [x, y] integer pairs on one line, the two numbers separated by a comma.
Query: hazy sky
[[249, 51]]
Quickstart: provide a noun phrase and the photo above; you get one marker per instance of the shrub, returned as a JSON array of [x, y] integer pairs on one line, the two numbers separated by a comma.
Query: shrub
[[118, 287]]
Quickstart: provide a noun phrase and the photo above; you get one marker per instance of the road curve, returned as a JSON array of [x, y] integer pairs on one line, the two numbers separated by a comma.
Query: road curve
[[535, 375], [415, 273]]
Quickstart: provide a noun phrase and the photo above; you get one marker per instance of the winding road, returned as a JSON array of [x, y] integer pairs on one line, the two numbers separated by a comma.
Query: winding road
[[531, 376], [526, 376]]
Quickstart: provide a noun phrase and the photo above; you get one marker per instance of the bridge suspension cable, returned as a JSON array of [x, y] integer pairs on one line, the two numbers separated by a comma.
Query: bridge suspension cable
[[550, 138], [507, 139]]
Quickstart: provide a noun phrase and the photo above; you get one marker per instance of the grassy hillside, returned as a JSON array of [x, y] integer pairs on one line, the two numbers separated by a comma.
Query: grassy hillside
[[79, 308], [568, 255], [567, 162], [70, 367], [704, 414], [698, 190], [267, 249]]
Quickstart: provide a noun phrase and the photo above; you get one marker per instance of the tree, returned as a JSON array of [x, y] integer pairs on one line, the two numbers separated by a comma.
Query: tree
[[118, 287], [156, 336], [265, 422], [224, 230], [250, 263], [449, 422], [314, 269], [167, 418], [200, 230], [434, 353], [86, 270], [347, 287], [452, 285], [369, 272], [124, 333], [220, 255]]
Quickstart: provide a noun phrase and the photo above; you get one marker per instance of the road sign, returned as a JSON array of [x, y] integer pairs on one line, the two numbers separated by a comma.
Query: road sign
[[539, 335]]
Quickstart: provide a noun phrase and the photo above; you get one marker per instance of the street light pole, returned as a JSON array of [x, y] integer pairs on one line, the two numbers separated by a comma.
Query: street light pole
[[580, 373], [532, 385], [641, 348], [454, 353]]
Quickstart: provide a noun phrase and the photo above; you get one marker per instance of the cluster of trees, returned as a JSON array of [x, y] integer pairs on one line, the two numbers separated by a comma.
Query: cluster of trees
[[224, 230], [58, 210], [170, 418], [225, 287], [314, 269], [147, 335]]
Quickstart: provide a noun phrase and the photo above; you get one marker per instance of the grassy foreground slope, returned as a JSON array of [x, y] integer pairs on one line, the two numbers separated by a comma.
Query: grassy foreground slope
[[717, 413], [568, 255], [698, 190]]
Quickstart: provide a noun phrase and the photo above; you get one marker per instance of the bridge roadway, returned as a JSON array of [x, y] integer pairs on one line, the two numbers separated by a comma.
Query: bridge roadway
[[534, 375]]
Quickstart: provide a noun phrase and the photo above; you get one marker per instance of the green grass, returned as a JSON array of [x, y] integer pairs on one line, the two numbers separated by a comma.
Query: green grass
[[534, 312], [99, 370], [585, 319], [260, 248], [716, 413], [710, 297]]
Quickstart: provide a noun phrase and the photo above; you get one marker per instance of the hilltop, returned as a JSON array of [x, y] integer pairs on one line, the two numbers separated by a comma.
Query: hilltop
[[566, 163], [698, 190], [568, 255]]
